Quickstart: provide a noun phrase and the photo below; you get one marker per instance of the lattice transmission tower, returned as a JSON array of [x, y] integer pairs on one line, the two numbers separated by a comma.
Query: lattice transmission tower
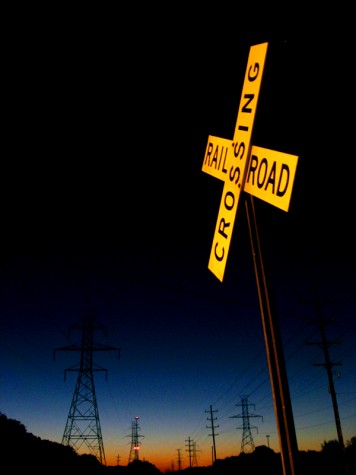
[[83, 424], [247, 443], [135, 440], [195, 457]]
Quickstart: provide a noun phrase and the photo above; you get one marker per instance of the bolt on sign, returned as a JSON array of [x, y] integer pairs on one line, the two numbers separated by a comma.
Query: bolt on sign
[[265, 174]]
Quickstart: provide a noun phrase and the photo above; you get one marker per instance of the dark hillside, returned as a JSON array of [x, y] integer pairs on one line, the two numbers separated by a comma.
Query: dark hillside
[[26, 453]]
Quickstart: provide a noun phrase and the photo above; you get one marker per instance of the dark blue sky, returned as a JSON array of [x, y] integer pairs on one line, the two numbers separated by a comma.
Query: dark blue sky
[[105, 206]]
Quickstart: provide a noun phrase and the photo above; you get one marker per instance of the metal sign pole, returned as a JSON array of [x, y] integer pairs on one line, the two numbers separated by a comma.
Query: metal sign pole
[[276, 363]]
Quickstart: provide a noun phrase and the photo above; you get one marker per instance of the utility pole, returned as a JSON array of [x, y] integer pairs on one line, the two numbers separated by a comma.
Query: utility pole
[[212, 419], [179, 460], [247, 443], [83, 423], [135, 442], [325, 345], [190, 450]]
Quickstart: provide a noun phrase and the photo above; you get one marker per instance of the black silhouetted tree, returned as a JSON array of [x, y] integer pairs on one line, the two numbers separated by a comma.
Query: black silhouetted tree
[[139, 467], [264, 460], [351, 454], [27, 453], [332, 457]]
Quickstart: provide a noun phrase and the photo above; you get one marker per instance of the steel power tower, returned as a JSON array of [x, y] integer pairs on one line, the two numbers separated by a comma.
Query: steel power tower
[[135, 440], [195, 458], [190, 450], [247, 443], [83, 423]]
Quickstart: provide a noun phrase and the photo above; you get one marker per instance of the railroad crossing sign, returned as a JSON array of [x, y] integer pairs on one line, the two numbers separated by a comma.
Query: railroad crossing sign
[[266, 174]]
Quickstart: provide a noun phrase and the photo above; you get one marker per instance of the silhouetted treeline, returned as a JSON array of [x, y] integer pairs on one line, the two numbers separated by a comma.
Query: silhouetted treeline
[[22, 452]]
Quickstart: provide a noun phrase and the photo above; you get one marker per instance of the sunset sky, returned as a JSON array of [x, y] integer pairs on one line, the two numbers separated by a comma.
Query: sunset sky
[[105, 207]]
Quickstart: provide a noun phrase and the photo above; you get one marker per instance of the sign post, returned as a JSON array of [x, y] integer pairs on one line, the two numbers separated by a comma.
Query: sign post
[[268, 175]]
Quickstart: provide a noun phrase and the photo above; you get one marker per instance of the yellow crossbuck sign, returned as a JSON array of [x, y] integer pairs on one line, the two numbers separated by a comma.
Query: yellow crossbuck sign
[[266, 174]]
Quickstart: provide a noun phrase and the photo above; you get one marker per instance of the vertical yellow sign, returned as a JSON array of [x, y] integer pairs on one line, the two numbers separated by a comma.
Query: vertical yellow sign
[[236, 174]]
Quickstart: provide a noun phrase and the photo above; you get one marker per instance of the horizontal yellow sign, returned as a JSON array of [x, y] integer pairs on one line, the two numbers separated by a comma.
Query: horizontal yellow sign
[[218, 157], [270, 175]]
